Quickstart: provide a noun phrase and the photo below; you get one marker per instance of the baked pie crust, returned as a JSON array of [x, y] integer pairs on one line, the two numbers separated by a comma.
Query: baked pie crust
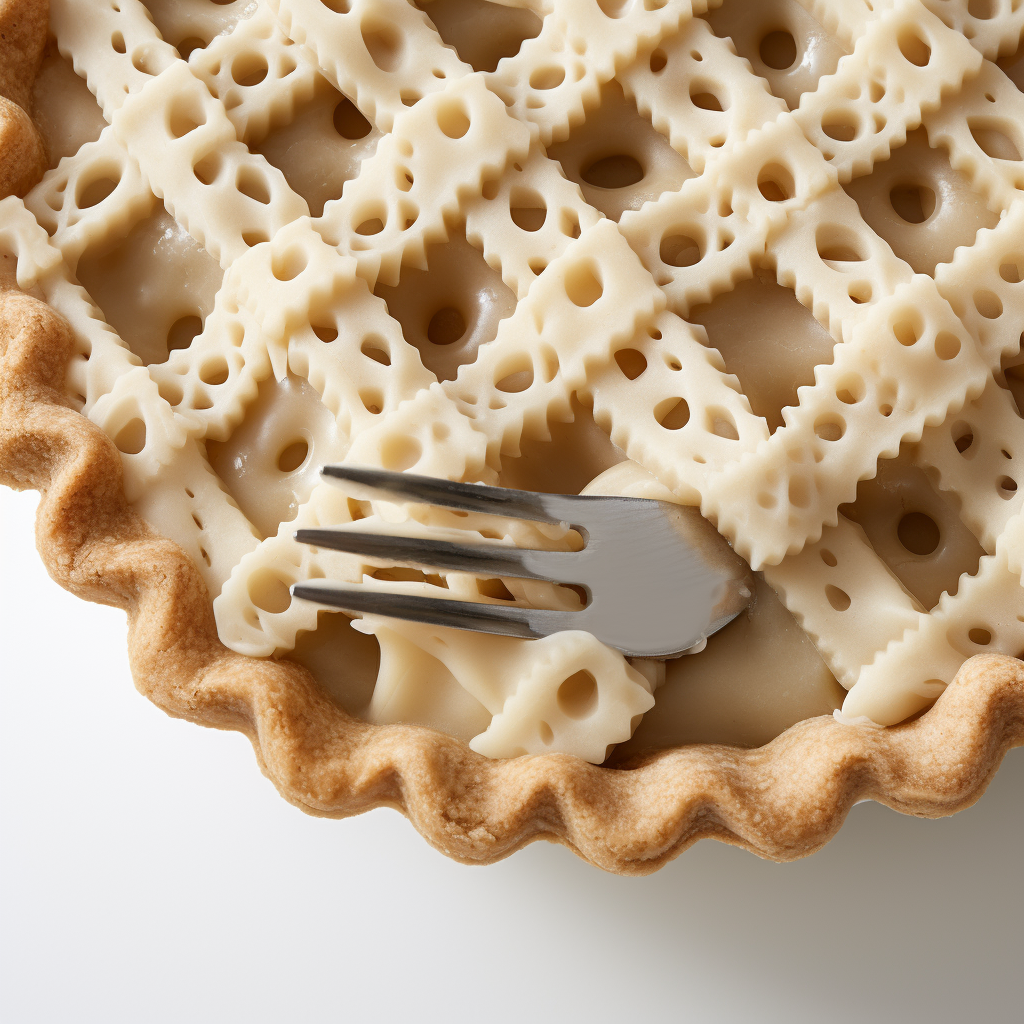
[[781, 800]]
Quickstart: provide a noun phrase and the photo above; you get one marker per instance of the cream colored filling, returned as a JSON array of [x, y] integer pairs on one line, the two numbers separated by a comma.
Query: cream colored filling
[[272, 460], [192, 24], [756, 677], [66, 112], [618, 158], [451, 308], [921, 206], [321, 147], [156, 286], [481, 33], [768, 340], [914, 531], [782, 41]]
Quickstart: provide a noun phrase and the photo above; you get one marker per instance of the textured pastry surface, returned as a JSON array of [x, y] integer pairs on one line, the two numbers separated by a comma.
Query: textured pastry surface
[[871, 182]]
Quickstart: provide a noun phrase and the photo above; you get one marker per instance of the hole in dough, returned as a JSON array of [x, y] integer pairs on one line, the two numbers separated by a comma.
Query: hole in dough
[[370, 226], [577, 696], [131, 438], [583, 284], [918, 533], [705, 100], [184, 116], [293, 456], [912, 203], [452, 118], [446, 326], [94, 192], [775, 183], [269, 592], [672, 413], [993, 142], [680, 251], [617, 171], [778, 50], [252, 183], [631, 362], [550, 77], [527, 209], [914, 48], [249, 68], [375, 348]]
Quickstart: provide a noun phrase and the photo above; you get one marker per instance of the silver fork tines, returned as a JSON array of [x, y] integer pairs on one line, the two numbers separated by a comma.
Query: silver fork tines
[[658, 576]]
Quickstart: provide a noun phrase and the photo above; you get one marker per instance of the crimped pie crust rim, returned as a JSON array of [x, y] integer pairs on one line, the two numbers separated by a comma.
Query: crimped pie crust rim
[[781, 801]]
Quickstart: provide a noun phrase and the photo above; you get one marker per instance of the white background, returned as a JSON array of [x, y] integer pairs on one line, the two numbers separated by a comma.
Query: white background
[[148, 872]]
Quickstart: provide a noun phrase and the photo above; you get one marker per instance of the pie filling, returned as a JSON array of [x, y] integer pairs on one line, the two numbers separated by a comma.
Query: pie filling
[[764, 259]]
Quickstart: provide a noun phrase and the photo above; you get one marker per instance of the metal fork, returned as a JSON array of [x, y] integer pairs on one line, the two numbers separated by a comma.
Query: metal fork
[[659, 578]]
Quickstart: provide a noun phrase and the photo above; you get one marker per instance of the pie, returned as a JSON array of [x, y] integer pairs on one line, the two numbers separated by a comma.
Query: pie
[[761, 258]]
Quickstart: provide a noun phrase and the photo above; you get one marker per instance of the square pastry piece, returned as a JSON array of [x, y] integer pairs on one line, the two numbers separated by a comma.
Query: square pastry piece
[[762, 258]]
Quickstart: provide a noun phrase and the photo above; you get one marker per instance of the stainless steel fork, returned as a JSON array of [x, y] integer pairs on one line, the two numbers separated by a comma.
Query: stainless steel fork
[[658, 577]]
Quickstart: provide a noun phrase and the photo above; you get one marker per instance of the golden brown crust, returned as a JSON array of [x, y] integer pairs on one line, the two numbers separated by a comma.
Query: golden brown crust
[[782, 801], [23, 25]]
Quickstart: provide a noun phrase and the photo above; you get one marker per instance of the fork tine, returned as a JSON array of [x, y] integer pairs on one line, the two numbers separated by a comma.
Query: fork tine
[[526, 623], [495, 501], [495, 559]]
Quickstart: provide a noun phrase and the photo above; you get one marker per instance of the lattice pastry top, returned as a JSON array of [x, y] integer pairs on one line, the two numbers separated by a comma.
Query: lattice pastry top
[[764, 258]]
